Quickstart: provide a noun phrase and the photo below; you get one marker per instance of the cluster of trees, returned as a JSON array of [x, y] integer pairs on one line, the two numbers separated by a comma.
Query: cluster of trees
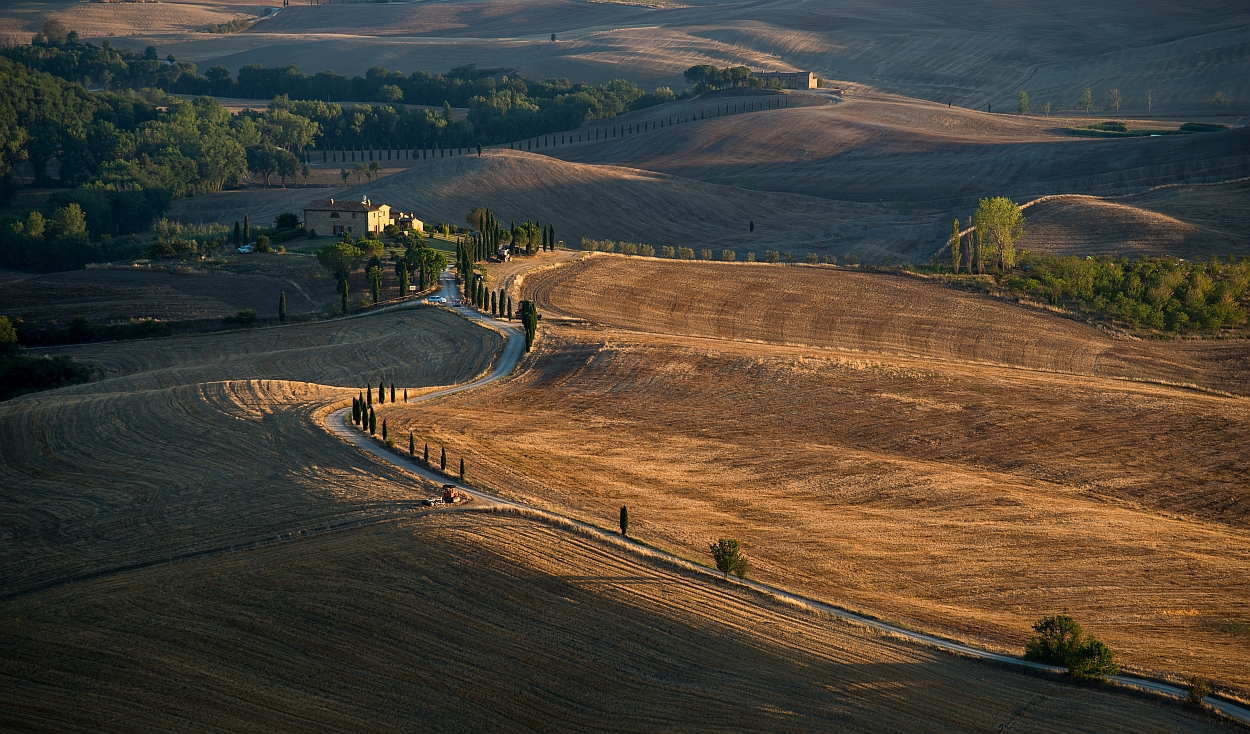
[[420, 264], [706, 76], [991, 233], [20, 374], [1060, 641], [1160, 293], [502, 105], [488, 236]]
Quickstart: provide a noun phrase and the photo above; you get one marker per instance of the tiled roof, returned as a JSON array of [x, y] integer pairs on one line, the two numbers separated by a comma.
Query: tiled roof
[[332, 205]]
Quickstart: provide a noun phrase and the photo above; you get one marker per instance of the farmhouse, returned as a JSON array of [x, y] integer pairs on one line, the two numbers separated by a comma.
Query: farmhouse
[[344, 216], [789, 79]]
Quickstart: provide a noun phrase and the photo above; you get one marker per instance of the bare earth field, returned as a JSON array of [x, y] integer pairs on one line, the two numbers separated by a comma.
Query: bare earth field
[[470, 622], [968, 486], [118, 295], [453, 621], [971, 55], [1193, 222], [194, 443]]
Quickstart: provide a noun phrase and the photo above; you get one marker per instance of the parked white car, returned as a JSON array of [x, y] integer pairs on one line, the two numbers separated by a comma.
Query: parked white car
[[247, 249]]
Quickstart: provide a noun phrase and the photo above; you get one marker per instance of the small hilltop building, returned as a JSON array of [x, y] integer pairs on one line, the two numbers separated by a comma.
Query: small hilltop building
[[337, 217], [790, 79]]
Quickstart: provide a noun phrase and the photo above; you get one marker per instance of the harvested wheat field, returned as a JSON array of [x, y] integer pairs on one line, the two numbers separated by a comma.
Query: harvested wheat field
[[473, 621], [872, 147], [609, 202], [966, 53], [195, 443], [868, 457], [121, 294], [1193, 222]]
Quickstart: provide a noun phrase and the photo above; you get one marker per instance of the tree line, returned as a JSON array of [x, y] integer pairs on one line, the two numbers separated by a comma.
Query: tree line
[[502, 104], [706, 77], [420, 265]]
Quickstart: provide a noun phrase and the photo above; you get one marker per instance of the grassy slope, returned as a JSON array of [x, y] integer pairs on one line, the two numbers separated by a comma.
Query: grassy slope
[[937, 458], [470, 622]]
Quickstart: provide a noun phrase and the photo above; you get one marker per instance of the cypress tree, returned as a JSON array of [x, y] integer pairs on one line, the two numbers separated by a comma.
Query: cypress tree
[[373, 422], [381, 391], [412, 445], [624, 520], [282, 307], [955, 239], [509, 308], [237, 232], [345, 288], [383, 429], [392, 392], [405, 396], [442, 462], [355, 411], [462, 469], [552, 228], [426, 459], [494, 304], [247, 230]]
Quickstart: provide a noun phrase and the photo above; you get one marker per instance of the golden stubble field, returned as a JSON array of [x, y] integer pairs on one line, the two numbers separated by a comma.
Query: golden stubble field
[[469, 621], [936, 458], [454, 621]]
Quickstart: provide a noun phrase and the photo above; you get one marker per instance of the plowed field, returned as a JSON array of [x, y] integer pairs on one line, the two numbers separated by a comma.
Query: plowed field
[[197, 443], [473, 622], [961, 478]]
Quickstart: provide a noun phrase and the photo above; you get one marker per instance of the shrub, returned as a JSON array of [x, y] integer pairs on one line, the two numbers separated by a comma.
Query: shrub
[[1197, 690], [246, 317], [729, 557], [646, 250], [21, 375], [1092, 660], [667, 251], [685, 253], [262, 243], [772, 256], [728, 256], [812, 258], [705, 254]]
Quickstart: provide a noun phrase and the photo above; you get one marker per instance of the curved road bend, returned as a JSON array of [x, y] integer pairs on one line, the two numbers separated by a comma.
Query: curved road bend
[[339, 423]]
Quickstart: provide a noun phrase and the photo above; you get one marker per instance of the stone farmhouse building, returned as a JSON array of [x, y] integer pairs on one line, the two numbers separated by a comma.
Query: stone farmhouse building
[[344, 216], [790, 79]]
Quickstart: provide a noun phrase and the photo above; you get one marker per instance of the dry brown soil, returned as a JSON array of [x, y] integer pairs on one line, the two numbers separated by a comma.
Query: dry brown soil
[[937, 458], [474, 622], [118, 295], [198, 442], [1193, 222]]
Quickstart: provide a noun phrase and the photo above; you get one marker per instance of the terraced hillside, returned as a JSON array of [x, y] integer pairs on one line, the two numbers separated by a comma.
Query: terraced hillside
[[935, 458]]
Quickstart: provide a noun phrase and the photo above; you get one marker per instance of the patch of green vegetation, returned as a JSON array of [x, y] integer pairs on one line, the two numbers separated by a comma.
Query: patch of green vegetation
[[1236, 629], [234, 26], [1117, 129], [20, 375], [1158, 293]]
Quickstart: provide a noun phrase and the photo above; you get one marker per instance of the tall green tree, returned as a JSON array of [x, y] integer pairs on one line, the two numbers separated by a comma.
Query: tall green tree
[[392, 392], [462, 469], [247, 230], [624, 520], [529, 319], [375, 276], [383, 429], [412, 446], [373, 422], [1086, 102], [954, 242], [282, 307], [426, 458], [1022, 102], [381, 391], [1000, 222], [356, 411], [340, 259], [237, 232], [442, 462], [1115, 99], [729, 557]]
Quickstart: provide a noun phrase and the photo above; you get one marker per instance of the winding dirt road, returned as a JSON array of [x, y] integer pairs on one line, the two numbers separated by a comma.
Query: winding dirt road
[[339, 423]]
